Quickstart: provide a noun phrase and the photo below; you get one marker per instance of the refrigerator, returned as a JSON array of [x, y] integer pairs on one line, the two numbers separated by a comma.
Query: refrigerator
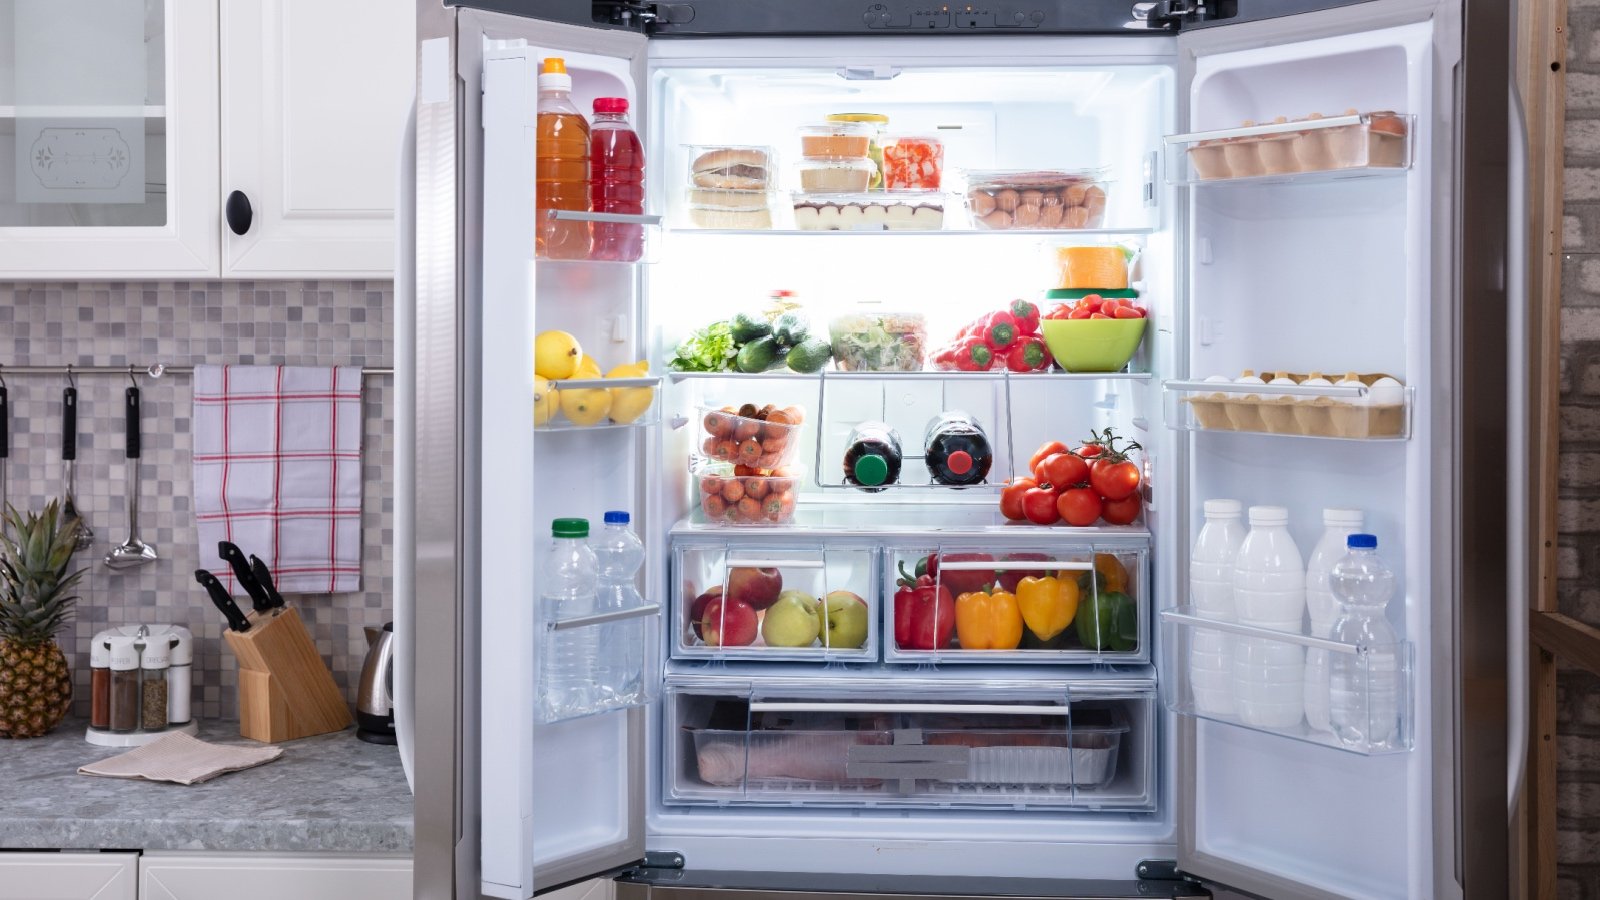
[[1085, 768]]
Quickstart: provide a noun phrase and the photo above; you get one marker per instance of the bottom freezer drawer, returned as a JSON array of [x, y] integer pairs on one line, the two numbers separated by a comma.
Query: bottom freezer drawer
[[1088, 753]]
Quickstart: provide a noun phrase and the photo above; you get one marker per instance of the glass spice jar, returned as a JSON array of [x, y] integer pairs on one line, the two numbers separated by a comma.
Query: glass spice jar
[[126, 703], [100, 682], [153, 664]]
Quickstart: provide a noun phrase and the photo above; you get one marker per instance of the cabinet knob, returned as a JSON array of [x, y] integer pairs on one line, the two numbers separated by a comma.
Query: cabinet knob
[[237, 210]]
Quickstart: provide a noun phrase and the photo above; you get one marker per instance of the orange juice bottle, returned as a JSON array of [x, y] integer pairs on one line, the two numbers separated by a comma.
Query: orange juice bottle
[[563, 166]]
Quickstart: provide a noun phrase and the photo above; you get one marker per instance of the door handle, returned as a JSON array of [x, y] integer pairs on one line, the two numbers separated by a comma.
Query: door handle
[[238, 213]]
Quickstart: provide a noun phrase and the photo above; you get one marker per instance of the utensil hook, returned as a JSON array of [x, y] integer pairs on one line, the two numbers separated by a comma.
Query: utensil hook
[[132, 380], [72, 380], [2, 377]]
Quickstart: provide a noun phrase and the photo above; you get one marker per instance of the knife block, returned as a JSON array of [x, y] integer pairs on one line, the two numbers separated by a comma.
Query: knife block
[[285, 690]]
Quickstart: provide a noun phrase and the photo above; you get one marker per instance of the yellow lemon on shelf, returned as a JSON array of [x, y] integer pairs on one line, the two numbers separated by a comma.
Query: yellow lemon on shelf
[[628, 404], [545, 400], [555, 354], [585, 406], [587, 368]]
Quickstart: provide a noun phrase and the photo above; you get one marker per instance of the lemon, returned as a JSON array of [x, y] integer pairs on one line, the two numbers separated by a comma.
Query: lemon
[[556, 354], [545, 400], [585, 406], [587, 368], [628, 404]]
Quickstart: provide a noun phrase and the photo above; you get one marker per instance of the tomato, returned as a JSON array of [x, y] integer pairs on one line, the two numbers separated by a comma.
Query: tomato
[[1063, 470], [1124, 511], [1092, 301], [1011, 497], [1089, 451], [1082, 312], [1043, 451], [1079, 506], [1099, 316], [1114, 480], [1039, 505], [1128, 312]]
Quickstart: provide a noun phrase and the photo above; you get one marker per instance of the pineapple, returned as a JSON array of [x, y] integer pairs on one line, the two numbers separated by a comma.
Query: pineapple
[[35, 602]]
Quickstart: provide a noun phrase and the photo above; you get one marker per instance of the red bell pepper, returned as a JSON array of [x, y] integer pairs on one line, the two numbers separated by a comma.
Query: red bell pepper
[[1029, 355], [1000, 331], [962, 581], [924, 613], [1026, 314], [973, 355]]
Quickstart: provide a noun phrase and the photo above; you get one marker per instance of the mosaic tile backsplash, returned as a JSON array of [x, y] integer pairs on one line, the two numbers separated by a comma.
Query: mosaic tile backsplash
[[179, 323]]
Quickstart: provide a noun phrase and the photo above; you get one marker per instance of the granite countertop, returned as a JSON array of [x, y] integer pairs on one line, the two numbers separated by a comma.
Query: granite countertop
[[331, 793]]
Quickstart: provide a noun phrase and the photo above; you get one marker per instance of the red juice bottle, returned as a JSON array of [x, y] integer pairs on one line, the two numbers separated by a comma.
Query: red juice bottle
[[616, 180]]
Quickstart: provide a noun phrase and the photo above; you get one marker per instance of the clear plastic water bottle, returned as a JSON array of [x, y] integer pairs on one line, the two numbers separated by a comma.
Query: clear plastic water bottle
[[1211, 594], [567, 579], [1365, 686], [619, 553], [1323, 607]]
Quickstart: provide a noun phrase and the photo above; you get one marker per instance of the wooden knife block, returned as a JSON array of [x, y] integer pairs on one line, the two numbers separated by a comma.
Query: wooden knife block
[[285, 690]]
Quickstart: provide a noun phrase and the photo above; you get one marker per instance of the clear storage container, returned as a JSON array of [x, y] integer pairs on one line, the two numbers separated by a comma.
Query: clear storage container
[[836, 176], [1344, 144], [1373, 406], [837, 140], [737, 167], [730, 210], [877, 122], [763, 437], [869, 212], [913, 163], [871, 340], [1044, 199], [731, 499]]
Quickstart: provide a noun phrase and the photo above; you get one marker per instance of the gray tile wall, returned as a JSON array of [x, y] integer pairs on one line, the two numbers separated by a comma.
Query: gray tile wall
[[178, 323]]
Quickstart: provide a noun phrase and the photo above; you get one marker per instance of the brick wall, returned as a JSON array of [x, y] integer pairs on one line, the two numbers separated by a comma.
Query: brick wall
[[1579, 510]]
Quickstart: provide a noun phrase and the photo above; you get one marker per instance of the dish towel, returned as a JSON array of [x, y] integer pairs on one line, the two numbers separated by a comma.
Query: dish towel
[[277, 470], [181, 758]]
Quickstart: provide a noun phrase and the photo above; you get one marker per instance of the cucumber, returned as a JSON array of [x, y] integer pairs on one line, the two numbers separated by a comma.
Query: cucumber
[[759, 355], [746, 328], [809, 356], [791, 330]]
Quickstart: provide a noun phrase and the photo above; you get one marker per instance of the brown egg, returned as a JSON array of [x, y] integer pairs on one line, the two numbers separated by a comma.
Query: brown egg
[[1073, 195], [982, 203], [998, 220], [1027, 215], [1050, 216], [1051, 198], [1095, 198], [1075, 217], [1031, 198], [1007, 199]]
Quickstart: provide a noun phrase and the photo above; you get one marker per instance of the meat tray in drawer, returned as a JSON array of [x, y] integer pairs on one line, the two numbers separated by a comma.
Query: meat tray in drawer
[[1046, 753], [775, 601]]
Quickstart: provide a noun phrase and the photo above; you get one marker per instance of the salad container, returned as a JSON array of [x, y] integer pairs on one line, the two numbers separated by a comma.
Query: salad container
[[874, 341]]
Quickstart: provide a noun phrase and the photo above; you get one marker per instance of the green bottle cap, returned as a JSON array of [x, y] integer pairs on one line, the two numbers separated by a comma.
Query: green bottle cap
[[570, 528], [871, 470]]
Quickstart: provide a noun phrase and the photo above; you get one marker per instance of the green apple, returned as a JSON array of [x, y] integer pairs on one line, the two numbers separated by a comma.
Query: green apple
[[791, 621], [845, 621]]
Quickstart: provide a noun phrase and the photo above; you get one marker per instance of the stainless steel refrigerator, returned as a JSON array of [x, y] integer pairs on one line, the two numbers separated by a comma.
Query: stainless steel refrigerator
[[1401, 263]]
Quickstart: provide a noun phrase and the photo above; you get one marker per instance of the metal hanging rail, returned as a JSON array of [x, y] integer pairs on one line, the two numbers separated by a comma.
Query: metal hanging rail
[[155, 370]]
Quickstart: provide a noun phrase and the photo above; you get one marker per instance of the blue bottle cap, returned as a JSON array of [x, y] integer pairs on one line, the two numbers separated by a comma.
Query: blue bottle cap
[[1362, 542], [616, 517]]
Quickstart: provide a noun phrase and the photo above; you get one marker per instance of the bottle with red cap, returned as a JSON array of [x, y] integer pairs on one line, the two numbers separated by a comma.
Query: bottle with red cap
[[956, 450], [616, 180]]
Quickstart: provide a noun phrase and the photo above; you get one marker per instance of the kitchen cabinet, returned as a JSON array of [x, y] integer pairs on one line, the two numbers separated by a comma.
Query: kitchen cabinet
[[204, 876], [68, 876], [314, 97]]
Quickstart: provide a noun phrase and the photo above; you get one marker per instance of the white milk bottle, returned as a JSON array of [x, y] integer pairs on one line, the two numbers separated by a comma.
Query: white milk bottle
[[1269, 591], [1323, 607], [1211, 595]]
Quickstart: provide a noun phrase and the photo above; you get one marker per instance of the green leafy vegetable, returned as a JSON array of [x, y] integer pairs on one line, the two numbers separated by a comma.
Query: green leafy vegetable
[[708, 349]]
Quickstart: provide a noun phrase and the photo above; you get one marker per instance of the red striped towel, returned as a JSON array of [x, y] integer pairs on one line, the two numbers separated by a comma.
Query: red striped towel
[[277, 470]]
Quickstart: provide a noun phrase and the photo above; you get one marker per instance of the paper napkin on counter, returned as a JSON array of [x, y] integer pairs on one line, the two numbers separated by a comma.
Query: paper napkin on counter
[[181, 758]]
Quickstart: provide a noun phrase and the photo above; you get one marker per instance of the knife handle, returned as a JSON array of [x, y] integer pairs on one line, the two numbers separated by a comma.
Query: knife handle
[[5, 424], [130, 412], [69, 424]]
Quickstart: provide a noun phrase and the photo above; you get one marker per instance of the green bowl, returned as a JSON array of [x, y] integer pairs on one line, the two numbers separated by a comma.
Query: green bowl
[[1092, 345]]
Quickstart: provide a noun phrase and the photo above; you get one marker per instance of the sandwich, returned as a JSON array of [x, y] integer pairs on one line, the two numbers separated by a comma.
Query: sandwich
[[731, 169]]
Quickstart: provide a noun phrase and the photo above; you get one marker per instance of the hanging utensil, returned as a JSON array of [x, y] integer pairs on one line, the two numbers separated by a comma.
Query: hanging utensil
[[69, 457], [132, 552]]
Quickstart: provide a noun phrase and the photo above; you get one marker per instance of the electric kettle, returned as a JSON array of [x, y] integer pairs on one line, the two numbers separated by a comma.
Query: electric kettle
[[375, 698]]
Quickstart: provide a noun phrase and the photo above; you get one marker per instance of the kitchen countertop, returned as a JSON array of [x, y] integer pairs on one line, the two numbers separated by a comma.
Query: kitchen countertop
[[331, 793]]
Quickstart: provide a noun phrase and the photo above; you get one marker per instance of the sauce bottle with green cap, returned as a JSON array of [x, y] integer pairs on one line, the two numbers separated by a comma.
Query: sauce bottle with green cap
[[873, 456]]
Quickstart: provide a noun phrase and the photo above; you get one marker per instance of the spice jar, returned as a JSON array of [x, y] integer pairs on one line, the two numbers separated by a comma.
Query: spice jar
[[153, 664], [99, 682], [179, 675], [126, 704]]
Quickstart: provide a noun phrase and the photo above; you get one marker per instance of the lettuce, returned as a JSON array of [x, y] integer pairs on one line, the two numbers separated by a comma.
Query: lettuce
[[709, 349]]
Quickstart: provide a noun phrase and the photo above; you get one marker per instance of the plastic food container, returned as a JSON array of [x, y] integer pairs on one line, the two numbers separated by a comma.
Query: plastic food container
[[773, 758], [836, 140], [1091, 268], [868, 212], [913, 164], [1378, 140], [736, 167], [728, 209], [1092, 345], [1381, 142], [762, 438], [745, 499], [878, 123], [874, 341], [836, 176], [1049, 199], [1209, 158]]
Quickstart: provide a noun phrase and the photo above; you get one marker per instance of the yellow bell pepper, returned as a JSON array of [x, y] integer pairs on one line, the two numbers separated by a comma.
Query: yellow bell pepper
[[987, 621], [1048, 604], [1109, 571]]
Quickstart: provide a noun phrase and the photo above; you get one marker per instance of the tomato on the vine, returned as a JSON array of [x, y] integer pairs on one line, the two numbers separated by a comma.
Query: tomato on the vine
[[1063, 470], [1011, 497], [1079, 506], [1039, 505], [1115, 479], [1124, 511], [1043, 451]]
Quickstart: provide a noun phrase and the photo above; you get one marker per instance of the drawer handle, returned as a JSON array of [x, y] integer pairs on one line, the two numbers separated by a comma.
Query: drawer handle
[[238, 212], [774, 563], [1014, 565], [986, 708]]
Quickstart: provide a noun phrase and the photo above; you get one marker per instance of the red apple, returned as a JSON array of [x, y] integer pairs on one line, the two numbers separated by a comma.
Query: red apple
[[758, 587], [729, 622], [697, 608]]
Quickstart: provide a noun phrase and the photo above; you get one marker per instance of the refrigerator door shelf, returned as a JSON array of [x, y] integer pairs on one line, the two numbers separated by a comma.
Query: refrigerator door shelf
[[618, 397], [1329, 413], [1321, 149], [875, 517], [1373, 710], [626, 642], [625, 228]]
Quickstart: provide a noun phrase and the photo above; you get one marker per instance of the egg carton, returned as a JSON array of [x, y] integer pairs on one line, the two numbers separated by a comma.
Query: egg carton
[[1310, 416]]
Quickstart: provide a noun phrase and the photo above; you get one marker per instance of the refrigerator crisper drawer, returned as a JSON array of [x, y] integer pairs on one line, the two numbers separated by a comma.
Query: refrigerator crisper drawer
[[774, 601], [1061, 601], [1012, 751]]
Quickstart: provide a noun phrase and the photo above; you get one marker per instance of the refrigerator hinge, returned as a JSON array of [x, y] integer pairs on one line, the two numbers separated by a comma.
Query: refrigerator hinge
[[1158, 869], [1174, 14], [662, 859], [637, 15]]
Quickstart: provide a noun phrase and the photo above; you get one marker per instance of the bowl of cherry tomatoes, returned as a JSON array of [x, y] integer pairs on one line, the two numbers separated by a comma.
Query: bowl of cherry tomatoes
[[1094, 333]]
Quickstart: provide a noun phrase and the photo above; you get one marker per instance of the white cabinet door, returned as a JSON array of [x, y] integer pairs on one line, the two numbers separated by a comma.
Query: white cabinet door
[[68, 876], [204, 876], [108, 140], [314, 97]]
